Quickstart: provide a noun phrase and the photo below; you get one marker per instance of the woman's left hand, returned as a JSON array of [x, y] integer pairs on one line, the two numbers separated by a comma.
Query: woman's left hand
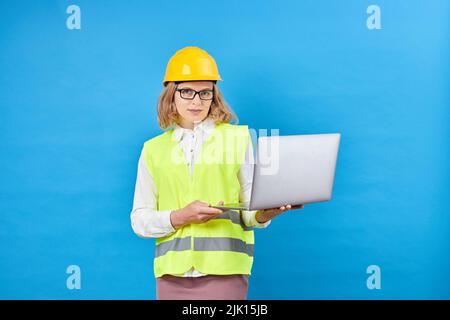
[[268, 214]]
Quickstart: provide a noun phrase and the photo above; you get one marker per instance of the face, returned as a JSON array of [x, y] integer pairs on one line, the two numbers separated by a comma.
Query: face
[[195, 110]]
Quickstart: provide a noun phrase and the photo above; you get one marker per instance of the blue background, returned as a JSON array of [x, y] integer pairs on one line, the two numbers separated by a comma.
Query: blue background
[[77, 105]]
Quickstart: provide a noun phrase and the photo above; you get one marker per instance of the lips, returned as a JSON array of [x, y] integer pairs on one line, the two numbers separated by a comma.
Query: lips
[[194, 109]]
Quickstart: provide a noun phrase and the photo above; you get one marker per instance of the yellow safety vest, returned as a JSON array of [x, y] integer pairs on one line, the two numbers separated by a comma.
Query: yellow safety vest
[[223, 245]]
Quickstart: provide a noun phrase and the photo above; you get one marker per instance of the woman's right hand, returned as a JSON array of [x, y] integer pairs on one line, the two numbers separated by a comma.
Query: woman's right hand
[[195, 212]]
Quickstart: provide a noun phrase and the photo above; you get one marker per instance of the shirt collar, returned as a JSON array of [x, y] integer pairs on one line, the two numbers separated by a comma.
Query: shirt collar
[[207, 125]]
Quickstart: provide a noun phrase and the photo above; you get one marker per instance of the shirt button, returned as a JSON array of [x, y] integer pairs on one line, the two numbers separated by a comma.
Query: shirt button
[[192, 150]]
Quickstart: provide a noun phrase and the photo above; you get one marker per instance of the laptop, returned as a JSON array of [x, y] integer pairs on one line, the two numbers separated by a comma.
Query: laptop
[[291, 169]]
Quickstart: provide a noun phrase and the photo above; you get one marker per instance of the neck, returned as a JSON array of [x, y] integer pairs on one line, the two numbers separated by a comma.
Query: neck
[[188, 124]]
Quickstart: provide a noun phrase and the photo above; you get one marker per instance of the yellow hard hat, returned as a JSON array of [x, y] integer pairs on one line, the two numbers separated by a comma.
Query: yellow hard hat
[[191, 63]]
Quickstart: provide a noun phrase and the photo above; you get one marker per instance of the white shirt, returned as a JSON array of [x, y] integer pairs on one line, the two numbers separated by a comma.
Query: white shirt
[[147, 222]]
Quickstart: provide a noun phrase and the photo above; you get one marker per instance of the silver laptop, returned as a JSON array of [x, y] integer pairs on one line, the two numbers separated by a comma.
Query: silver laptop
[[292, 169]]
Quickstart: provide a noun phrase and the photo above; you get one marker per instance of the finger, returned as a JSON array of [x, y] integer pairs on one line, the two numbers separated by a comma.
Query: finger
[[220, 203], [277, 212], [211, 210], [206, 217], [211, 205]]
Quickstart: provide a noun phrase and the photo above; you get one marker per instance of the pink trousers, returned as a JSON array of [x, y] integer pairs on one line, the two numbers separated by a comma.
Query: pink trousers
[[210, 287]]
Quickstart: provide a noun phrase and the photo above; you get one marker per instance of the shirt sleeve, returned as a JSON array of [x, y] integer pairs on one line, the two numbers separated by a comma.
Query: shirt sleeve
[[246, 179], [146, 221]]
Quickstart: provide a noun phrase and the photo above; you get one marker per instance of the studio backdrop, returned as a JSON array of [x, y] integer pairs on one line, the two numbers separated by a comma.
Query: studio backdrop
[[79, 82]]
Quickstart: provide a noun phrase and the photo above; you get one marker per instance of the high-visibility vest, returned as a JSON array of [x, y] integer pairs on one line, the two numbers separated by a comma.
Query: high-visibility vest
[[223, 245]]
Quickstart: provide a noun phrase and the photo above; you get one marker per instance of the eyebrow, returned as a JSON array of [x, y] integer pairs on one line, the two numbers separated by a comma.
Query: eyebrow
[[196, 90]]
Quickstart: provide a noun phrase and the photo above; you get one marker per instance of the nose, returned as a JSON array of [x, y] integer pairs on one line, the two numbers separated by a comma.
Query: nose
[[196, 99]]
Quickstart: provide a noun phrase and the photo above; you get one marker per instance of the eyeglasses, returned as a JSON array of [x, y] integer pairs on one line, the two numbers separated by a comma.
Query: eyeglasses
[[190, 94]]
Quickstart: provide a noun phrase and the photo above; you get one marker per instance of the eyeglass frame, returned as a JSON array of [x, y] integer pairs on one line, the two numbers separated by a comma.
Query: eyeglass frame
[[196, 92]]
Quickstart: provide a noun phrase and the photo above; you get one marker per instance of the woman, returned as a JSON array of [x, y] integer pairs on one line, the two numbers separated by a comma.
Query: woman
[[201, 252]]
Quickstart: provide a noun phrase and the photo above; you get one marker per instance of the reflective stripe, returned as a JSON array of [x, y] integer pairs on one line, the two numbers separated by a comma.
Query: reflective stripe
[[204, 244], [177, 244], [235, 217], [222, 244]]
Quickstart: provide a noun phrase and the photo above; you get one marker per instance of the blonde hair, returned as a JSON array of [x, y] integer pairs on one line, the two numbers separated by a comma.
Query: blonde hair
[[168, 115]]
